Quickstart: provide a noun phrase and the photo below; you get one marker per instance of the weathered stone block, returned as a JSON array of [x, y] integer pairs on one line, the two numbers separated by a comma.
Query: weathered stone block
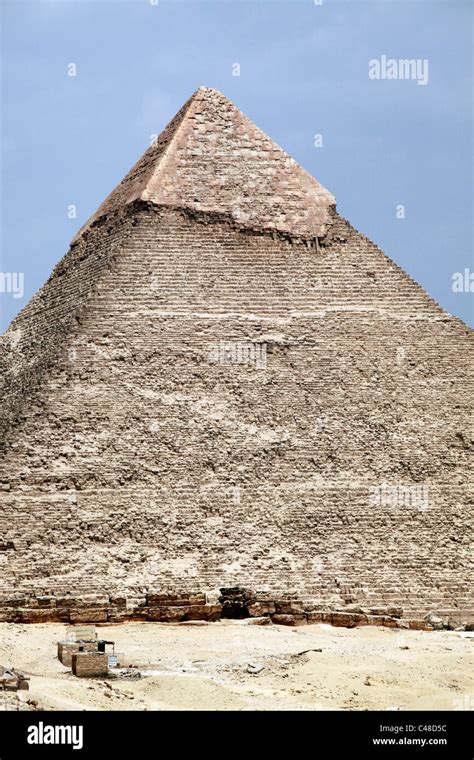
[[42, 615], [88, 615], [118, 602], [13, 602], [314, 617], [395, 612], [175, 600], [266, 620], [282, 619], [390, 622], [375, 619], [419, 625], [348, 619], [285, 607], [177, 613], [257, 609], [210, 612], [119, 616]]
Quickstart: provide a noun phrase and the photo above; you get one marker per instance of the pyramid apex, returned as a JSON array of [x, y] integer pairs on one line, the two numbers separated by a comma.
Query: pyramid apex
[[211, 157], [213, 90]]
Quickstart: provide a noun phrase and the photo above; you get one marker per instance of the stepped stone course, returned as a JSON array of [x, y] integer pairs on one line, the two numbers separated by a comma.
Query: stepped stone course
[[137, 468]]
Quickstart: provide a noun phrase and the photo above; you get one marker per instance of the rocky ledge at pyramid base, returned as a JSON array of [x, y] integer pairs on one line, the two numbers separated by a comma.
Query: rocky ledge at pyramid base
[[224, 385], [227, 603]]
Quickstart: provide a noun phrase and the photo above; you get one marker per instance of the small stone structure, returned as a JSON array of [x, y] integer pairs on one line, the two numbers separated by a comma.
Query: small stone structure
[[89, 664], [81, 639], [66, 649]]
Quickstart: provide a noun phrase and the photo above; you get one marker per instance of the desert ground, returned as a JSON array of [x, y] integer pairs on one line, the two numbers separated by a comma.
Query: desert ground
[[237, 665]]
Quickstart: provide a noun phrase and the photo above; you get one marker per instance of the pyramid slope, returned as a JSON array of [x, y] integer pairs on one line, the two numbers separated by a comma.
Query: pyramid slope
[[211, 157], [139, 466]]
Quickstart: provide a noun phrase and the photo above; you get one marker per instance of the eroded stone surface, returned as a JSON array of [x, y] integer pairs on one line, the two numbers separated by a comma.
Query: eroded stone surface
[[134, 464]]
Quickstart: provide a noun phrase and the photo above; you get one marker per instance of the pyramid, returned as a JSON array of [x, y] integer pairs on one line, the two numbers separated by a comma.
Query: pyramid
[[227, 400]]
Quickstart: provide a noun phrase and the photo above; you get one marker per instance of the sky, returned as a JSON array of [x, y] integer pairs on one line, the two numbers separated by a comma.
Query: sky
[[397, 153]]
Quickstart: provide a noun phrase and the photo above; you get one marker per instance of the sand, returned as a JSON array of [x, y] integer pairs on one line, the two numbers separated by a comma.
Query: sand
[[206, 667]]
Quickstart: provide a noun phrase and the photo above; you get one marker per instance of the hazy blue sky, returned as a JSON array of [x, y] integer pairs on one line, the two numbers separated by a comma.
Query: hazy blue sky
[[304, 71]]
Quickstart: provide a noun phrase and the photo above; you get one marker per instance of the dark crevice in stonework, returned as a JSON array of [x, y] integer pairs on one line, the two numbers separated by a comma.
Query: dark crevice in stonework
[[235, 602]]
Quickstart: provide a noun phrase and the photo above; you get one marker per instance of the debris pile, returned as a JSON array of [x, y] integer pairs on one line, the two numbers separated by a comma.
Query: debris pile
[[12, 679]]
